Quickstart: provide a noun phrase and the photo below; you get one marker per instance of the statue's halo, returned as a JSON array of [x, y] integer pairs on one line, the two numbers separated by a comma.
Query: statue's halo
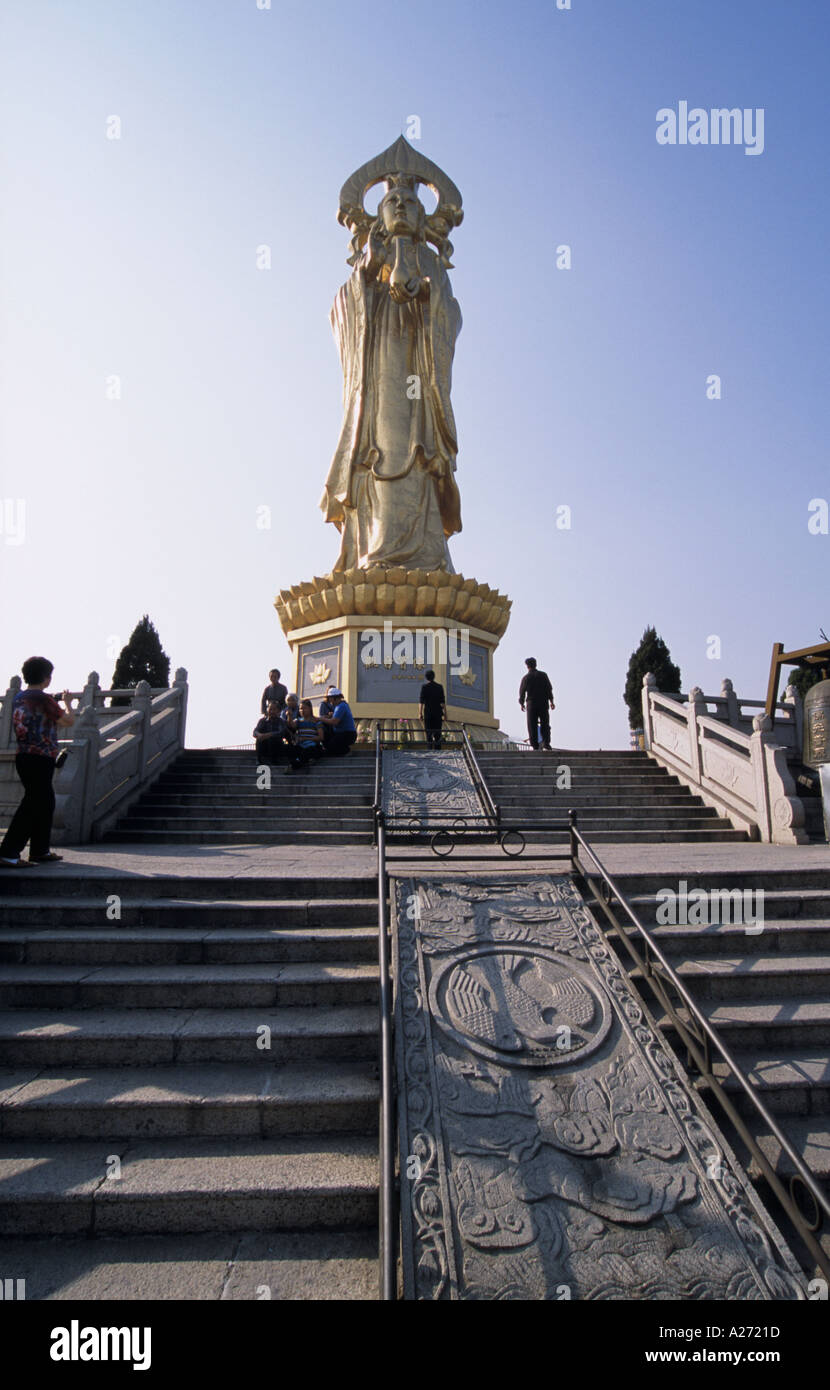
[[400, 158]]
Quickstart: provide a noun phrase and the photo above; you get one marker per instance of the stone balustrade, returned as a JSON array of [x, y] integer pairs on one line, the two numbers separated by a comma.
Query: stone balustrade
[[114, 751], [735, 761]]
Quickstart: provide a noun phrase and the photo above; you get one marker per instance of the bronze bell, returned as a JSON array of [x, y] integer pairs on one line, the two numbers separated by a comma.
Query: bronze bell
[[817, 724]]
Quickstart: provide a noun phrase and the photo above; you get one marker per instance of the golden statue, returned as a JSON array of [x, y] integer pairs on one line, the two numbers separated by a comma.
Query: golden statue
[[391, 489]]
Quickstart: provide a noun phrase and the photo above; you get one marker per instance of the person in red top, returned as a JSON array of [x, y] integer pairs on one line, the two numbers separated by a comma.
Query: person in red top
[[36, 718]]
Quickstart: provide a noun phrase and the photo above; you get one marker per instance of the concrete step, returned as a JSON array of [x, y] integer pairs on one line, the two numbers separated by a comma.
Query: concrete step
[[184, 946], [799, 1021], [187, 1185], [808, 1136], [264, 986], [789, 901], [582, 781], [282, 836], [798, 934], [284, 787], [228, 1265], [65, 881], [45, 911], [759, 977], [264, 823], [152, 1037], [205, 1100], [702, 835], [664, 798], [797, 879], [296, 793], [790, 1081]]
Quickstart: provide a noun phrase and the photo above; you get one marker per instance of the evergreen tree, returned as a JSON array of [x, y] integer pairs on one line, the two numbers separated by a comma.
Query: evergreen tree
[[141, 660], [651, 655], [803, 677]]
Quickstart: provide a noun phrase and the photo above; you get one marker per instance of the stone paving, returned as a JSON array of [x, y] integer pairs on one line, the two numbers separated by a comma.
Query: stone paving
[[355, 861]]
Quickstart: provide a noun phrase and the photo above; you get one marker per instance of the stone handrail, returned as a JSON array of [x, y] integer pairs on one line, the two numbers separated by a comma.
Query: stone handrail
[[113, 753], [740, 713], [745, 776]]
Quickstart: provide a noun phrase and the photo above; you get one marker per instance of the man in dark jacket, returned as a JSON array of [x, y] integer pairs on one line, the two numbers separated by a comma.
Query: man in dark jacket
[[270, 736], [433, 709], [536, 691]]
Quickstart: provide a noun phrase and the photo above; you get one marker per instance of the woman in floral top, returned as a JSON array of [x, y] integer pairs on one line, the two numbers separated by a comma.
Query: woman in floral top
[[36, 718]]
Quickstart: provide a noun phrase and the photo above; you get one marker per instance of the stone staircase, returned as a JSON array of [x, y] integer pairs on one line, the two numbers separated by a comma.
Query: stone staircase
[[211, 796], [200, 1070], [768, 995], [619, 796]]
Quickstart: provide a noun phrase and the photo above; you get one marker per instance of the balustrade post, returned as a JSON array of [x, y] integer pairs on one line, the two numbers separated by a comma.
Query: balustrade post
[[733, 709], [792, 697], [649, 688], [75, 791], [696, 709], [761, 733], [92, 694], [180, 684], [784, 808], [142, 701], [7, 738]]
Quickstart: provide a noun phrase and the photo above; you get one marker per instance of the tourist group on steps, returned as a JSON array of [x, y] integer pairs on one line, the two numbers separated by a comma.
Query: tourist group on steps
[[288, 730]]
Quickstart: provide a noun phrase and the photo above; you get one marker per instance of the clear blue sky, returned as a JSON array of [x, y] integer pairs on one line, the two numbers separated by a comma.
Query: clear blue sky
[[136, 257]]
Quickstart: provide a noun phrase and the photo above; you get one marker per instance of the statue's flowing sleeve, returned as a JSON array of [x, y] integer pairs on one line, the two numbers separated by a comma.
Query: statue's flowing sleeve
[[348, 321], [444, 325]]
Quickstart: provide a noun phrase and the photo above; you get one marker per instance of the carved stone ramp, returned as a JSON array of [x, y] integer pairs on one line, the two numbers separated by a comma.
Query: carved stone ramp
[[550, 1146], [429, 790]]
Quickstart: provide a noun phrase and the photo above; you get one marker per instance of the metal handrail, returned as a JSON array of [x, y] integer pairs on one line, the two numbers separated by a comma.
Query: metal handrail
[[478, 777], [386, 1194], [376, 803], [707, 1037]]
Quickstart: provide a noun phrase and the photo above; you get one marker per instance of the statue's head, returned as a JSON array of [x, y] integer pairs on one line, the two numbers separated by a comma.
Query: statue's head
[[401, 210]]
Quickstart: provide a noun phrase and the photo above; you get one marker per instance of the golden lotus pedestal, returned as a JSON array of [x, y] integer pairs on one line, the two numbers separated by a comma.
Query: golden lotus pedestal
[[375, 632]]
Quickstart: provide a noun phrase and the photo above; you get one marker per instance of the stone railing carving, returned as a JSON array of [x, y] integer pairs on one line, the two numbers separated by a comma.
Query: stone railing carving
[[744, 775], [739, 714], [113, 752]]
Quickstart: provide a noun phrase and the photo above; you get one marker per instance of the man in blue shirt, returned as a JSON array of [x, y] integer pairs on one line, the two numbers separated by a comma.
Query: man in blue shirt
[[341, 724]]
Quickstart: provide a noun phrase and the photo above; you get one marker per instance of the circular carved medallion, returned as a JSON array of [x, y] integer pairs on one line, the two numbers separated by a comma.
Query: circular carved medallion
[[521, 1006]]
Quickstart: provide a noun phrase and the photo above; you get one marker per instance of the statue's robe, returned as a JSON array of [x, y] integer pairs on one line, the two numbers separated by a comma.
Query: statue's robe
[[391, 489]]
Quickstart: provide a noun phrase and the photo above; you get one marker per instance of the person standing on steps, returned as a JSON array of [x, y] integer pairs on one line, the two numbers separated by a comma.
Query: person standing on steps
[[536, 692], [36, 718], [273, 691], [433, 709]]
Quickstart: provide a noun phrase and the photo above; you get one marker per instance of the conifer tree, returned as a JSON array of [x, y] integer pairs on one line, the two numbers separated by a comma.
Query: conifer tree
[[652, 655], [803, 677], [141, 660]]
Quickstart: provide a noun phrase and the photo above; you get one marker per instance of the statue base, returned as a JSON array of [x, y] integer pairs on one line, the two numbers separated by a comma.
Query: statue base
[[393, 625]]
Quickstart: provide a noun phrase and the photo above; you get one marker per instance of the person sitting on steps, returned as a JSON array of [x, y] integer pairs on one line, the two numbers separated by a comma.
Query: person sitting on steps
[[341, 725], [269, 736], [308, 739]]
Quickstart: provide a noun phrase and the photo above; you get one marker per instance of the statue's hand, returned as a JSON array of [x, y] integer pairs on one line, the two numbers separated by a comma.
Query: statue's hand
[[416, 288], [375, 254]]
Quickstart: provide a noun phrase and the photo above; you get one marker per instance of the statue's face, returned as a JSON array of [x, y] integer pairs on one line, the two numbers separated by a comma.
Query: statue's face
[[401, 212]]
